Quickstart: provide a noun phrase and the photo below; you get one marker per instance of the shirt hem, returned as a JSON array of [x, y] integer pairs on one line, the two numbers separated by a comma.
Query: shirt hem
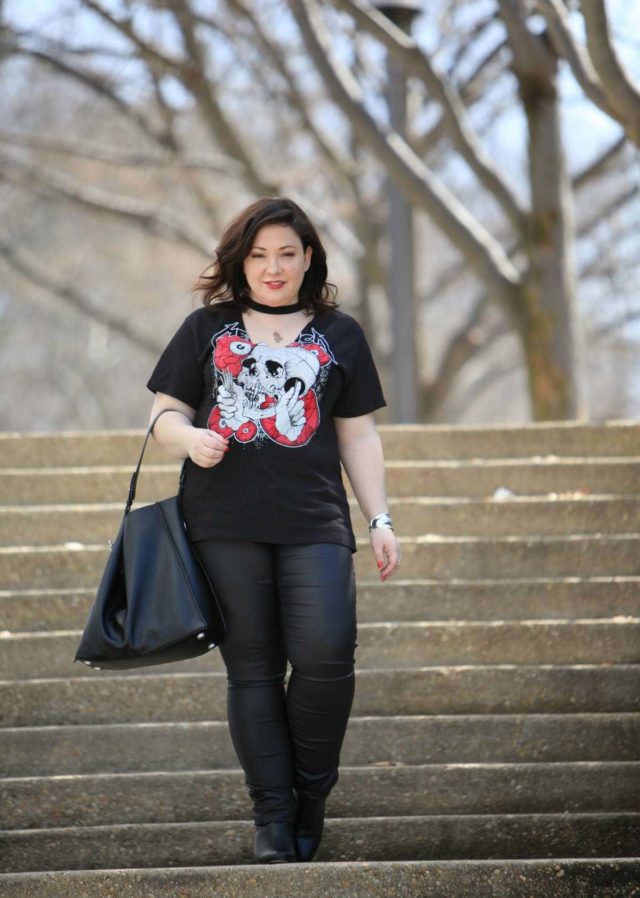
[[196, 535]]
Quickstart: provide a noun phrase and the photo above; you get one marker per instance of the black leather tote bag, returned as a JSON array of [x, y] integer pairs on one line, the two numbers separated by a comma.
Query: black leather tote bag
[[155, 603]]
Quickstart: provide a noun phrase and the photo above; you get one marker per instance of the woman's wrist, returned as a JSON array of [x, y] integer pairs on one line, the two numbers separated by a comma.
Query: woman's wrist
[[381, 521], [177, 435]]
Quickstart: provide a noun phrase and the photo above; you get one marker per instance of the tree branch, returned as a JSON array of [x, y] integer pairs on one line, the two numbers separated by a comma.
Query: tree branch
[[147, 51], [341, 161], [463, 345], [622, 94], [602, 263], [567, 46], [137, 211], [470, 92], [30, 267], [465, 38], [597, 70], [599, 165], [530, 54], [60, 48], [484, 253], [190, 71], [487, 380], [612, 205], [417, 64], [98, 86], [117, 156], [195, 80], [605, 330]]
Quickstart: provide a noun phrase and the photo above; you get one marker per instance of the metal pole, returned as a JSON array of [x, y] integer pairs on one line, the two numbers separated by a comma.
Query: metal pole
[[400, 285]]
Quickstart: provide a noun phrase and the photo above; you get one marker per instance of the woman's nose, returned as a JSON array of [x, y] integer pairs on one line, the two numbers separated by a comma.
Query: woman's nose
[[273, 264]]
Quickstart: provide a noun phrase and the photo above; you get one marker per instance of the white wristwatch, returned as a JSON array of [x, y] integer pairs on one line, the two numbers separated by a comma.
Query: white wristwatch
[[381, 521]]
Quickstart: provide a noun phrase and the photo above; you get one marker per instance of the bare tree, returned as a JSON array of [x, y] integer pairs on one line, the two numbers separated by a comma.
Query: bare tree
[[539, 298], [213, 107], [596, 66]]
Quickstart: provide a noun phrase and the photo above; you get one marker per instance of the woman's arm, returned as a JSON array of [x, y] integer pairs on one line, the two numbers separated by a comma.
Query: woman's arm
[[360, 451], [176, 433]]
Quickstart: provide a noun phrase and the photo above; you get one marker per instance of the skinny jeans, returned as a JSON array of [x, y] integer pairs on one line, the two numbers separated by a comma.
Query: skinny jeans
[[296, 604]]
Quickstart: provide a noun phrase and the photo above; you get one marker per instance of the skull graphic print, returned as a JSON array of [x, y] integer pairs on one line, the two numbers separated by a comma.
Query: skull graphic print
[[262, 392]]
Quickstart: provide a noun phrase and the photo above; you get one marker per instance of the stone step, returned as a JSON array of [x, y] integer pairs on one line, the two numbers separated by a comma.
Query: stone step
[[400, 441], [36, 525], [410, 600], [473, 478], [517, 516], [382, 645], [562, 878], [492, 689], [532, 758], [436, 837], [205, 795], [80, 566], [383, 741]]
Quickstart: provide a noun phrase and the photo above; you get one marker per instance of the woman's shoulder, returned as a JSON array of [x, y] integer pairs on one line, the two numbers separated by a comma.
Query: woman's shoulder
[[342, 320], [205, 316], [217, 308]]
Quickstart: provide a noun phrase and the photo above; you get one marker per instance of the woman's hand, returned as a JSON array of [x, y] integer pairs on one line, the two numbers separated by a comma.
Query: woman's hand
[[206, 448], [386, 548]]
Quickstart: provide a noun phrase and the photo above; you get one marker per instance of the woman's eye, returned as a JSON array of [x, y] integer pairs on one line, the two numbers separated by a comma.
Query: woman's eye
[[259, 256]]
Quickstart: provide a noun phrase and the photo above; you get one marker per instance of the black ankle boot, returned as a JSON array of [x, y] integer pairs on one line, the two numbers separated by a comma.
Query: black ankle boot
[[308, 826], [273, 843]]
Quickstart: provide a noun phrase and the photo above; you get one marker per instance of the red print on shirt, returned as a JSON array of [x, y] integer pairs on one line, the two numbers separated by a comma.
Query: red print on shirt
[[262, 391]]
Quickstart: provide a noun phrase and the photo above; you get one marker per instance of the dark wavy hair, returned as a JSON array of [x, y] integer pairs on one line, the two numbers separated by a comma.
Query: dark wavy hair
[[224, 280]]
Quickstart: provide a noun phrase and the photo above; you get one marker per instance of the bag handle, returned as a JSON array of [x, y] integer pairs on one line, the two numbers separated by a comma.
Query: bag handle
[[134, 479]]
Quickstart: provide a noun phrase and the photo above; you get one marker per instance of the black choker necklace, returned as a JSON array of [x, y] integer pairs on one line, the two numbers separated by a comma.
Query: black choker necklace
[[271, 310]]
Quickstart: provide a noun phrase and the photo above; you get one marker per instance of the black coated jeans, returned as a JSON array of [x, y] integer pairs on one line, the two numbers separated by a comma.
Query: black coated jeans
[[282, 603]]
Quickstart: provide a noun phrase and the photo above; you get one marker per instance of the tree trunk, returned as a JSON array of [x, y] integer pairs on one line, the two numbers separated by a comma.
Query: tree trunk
[[549, 323]]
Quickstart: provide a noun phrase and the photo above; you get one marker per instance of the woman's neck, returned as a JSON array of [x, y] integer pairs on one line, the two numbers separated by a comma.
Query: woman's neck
[[273, 310]]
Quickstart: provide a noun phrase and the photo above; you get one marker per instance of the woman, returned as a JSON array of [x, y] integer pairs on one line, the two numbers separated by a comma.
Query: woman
[[273, 387]]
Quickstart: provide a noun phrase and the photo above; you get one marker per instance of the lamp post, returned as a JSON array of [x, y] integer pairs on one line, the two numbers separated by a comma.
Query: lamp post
[[400, 286]]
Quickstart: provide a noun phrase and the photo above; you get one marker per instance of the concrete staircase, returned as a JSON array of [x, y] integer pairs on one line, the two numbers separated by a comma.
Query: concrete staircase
[[494, 747]]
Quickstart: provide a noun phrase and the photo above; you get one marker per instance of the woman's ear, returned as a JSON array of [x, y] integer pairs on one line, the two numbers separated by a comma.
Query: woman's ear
[[307, 257]]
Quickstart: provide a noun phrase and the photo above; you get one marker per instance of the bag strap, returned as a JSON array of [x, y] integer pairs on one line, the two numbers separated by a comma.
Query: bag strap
[[134, 479]]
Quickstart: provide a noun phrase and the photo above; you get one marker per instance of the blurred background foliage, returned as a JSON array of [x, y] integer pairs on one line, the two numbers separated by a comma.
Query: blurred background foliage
[[133, 130]]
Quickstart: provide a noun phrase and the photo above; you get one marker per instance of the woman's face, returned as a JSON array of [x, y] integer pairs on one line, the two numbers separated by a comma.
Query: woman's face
[[276, 265]]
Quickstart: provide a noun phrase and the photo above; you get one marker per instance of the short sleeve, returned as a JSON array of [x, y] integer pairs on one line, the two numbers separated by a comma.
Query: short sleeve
[[179, 372], [362, 391]]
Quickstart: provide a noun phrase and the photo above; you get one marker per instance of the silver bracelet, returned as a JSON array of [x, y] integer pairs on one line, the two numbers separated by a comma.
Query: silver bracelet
[[381, 521]]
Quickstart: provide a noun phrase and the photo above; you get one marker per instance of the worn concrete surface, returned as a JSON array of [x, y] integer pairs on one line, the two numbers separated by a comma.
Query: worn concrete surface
[[126, 697], [403, 599], [174, 796], [568, 878], [436, 837]]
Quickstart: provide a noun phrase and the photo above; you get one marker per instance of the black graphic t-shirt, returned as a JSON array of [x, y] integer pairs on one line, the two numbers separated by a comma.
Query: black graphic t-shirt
[[281, 480]]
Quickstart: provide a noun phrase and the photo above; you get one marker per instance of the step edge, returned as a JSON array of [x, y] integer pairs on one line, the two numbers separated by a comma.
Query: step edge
[[603, 717], [204, 824], [406, 769]]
